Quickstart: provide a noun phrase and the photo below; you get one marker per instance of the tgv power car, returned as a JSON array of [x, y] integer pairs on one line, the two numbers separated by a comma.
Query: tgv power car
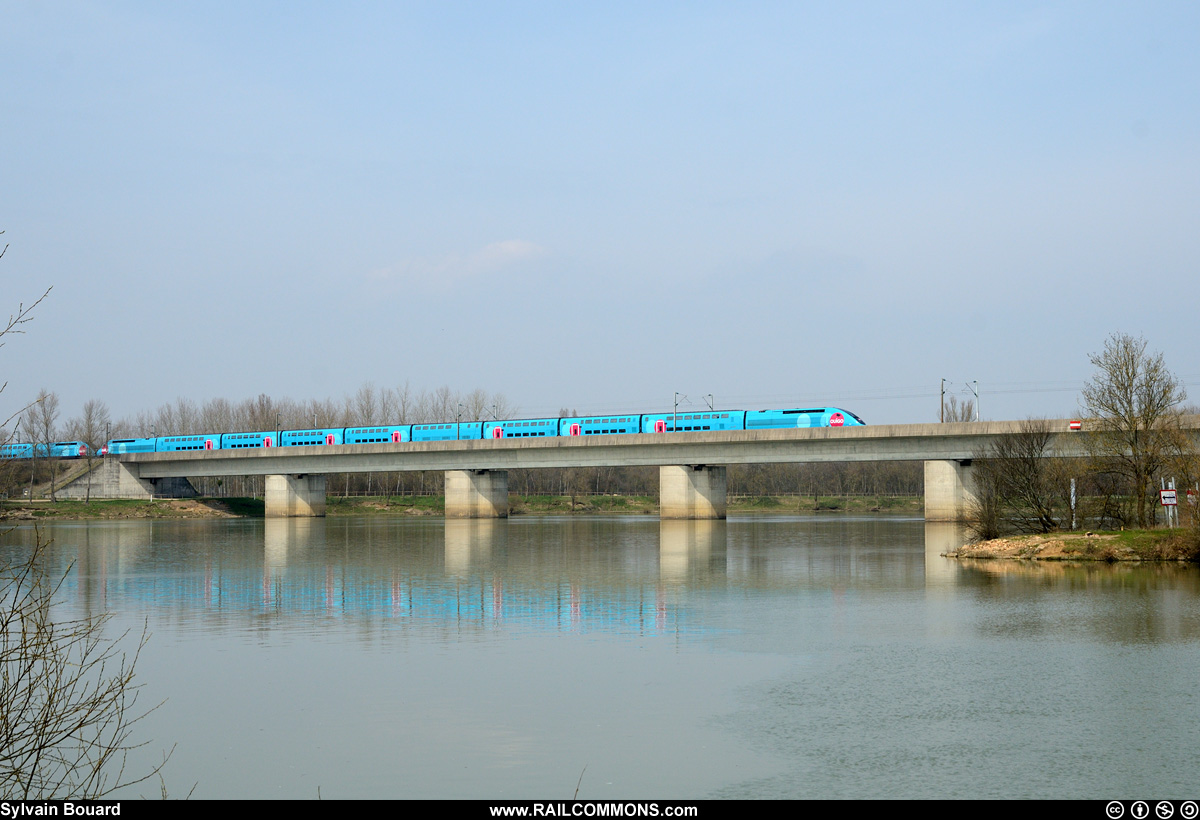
[[646, 423]]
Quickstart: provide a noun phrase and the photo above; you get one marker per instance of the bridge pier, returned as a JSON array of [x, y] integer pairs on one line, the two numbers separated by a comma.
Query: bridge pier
[[476, 494], [949, 490], [295, 496], [691, 492]]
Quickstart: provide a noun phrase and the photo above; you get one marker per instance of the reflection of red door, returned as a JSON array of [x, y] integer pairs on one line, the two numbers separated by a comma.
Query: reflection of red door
[[576, 430], [267, 441], [497, 432], [396, 438], [329, 438], [208, 444], [660, 426]]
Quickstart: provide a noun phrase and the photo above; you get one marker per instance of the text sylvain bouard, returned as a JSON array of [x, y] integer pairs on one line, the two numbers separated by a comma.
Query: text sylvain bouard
[[12, 808]]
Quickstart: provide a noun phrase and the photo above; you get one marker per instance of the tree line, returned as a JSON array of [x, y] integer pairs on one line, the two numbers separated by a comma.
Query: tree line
[[40, 423]]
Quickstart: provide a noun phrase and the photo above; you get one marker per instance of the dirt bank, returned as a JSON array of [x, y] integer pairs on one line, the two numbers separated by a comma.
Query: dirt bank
[[1129, 545]]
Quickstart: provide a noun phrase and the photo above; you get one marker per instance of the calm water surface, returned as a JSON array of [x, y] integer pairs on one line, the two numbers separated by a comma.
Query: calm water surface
[[775, 657]]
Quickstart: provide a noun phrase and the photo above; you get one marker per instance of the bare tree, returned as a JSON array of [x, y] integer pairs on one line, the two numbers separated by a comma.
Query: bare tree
[[90, 427], [953, 411], [363, 408], [1132, 402], [40, 423], [68, 701], [1018, 484], [502, 407], [68, 704], [23, 315], [405, 401], [443, 404]]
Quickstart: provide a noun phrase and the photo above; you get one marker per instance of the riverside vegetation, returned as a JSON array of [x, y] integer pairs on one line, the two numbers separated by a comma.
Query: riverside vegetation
[[428, 505]]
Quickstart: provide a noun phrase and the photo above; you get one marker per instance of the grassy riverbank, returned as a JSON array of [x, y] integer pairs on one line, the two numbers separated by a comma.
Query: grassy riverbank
[[16, 510], [1127, 545], [628, 505]]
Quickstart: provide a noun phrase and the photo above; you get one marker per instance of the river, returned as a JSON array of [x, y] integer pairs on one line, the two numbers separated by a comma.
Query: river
[[623, 657]]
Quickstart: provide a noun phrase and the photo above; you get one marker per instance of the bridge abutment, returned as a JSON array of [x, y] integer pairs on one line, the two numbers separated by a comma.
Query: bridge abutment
[[476, 494], [294, 496], [114, 479], [949, 490], [691, 492]]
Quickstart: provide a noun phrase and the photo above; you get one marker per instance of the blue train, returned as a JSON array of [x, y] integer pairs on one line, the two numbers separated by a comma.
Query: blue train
[[59, 449], [509, 428]]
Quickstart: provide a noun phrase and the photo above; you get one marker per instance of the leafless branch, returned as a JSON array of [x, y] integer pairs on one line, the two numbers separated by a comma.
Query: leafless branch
[[68, 700]]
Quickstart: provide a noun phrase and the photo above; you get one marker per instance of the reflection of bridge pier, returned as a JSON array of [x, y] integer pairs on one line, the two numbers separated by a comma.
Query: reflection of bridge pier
[[942, 537], [281, 535], [470, 543], [686, 548]]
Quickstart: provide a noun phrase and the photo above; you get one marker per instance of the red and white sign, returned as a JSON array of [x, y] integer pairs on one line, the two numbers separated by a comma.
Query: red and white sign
[[83, 449], [1076, 425], [1168, 498], [837, 420], [1191, 496]]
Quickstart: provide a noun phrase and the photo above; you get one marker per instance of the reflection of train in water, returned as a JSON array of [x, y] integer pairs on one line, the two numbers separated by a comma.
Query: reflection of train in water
[[467, 430]]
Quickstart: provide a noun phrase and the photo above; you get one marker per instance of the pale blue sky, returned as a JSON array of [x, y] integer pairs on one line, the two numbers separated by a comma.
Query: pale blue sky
[[596, 205]]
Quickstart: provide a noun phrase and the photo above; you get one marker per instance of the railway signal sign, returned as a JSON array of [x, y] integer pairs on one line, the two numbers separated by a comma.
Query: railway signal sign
[[1168, 498]]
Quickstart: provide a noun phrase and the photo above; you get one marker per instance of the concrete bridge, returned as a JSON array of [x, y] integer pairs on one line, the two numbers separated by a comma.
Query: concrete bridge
[[691, 465]]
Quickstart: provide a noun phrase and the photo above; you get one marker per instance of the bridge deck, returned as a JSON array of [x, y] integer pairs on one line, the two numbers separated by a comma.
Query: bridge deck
[[897, 442]]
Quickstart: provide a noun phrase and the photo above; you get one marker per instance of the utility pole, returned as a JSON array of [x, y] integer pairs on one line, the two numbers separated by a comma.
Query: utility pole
[[942, 405]]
